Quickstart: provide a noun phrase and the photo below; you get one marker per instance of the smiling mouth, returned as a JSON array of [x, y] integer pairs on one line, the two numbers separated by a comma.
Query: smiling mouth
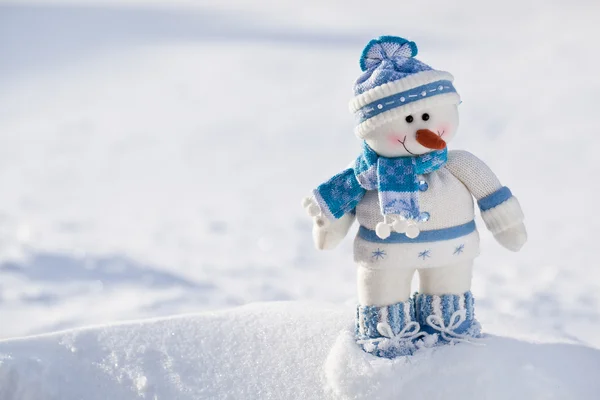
[[441, 134], [404, 145]]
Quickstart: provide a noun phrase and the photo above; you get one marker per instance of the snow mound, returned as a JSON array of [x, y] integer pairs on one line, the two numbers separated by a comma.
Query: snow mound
[[285, 350], [496, 368]]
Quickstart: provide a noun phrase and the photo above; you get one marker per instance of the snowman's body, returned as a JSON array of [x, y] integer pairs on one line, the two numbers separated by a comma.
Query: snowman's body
[[448, 241], [447, 230], [414, 203]]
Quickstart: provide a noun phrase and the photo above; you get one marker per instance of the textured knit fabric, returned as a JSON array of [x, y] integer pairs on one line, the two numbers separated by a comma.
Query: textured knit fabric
[[386, 47], [503, 216], [473, 173], [450, 315], [404, 98], [387, 331], [443, 196], [446, 198], [395, 179], [393, 80], [387, 59], [494, 199]]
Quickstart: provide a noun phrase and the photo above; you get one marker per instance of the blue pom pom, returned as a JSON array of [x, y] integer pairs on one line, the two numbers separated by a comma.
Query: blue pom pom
[[386, 47]]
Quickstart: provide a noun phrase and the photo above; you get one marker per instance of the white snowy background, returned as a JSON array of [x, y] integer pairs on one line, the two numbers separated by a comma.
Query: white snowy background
[[153, 154]]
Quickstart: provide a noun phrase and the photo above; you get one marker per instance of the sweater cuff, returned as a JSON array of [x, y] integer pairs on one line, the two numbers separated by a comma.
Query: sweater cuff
[[492, 200], [503, 216]]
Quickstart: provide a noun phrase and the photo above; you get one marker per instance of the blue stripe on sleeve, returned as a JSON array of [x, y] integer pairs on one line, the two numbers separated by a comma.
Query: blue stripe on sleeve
[[494, 199]]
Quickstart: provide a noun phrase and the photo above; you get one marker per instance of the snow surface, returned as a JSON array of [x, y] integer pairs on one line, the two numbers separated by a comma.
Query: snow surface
[[153, 154], [281, 350]]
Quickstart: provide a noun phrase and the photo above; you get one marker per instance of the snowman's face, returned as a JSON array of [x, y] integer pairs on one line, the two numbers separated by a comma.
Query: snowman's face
[[421, 132]]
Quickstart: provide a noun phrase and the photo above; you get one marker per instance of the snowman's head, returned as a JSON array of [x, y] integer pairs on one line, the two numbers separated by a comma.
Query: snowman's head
[[403, 106], [418, 132]]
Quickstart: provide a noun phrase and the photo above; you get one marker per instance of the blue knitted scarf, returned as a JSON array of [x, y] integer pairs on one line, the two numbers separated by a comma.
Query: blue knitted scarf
[[394, 178]]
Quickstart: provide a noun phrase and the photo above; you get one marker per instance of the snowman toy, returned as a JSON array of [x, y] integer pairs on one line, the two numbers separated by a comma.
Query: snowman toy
[[413, 200]]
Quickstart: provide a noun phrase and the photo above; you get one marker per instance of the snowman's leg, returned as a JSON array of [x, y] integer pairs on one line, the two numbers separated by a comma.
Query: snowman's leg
[[382, 287], [454, 279], [445, 303], [385, 316]]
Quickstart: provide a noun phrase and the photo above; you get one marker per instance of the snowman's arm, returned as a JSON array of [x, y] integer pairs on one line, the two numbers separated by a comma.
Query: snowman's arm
[[329, 236], [500, 210], [327, 232]]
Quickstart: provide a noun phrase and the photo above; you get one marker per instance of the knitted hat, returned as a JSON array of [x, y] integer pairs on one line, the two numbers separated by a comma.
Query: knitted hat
[[394, 84]]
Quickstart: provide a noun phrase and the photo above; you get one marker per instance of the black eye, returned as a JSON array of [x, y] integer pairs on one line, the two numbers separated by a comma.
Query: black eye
[[425, 117], [409, 119]]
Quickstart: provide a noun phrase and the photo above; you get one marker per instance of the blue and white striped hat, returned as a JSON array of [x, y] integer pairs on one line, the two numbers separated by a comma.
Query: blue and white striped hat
[[394, 84]]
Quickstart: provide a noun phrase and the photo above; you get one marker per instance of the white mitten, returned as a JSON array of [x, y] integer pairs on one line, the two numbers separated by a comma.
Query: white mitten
[[326, 234], [512, 238], [505, 221], [330, 236]]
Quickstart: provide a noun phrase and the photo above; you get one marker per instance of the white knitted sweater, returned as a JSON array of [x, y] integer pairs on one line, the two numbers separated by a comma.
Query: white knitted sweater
[[449, 202]]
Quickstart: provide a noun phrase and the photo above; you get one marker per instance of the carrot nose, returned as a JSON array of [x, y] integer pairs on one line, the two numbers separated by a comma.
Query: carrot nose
[[430, 140]]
